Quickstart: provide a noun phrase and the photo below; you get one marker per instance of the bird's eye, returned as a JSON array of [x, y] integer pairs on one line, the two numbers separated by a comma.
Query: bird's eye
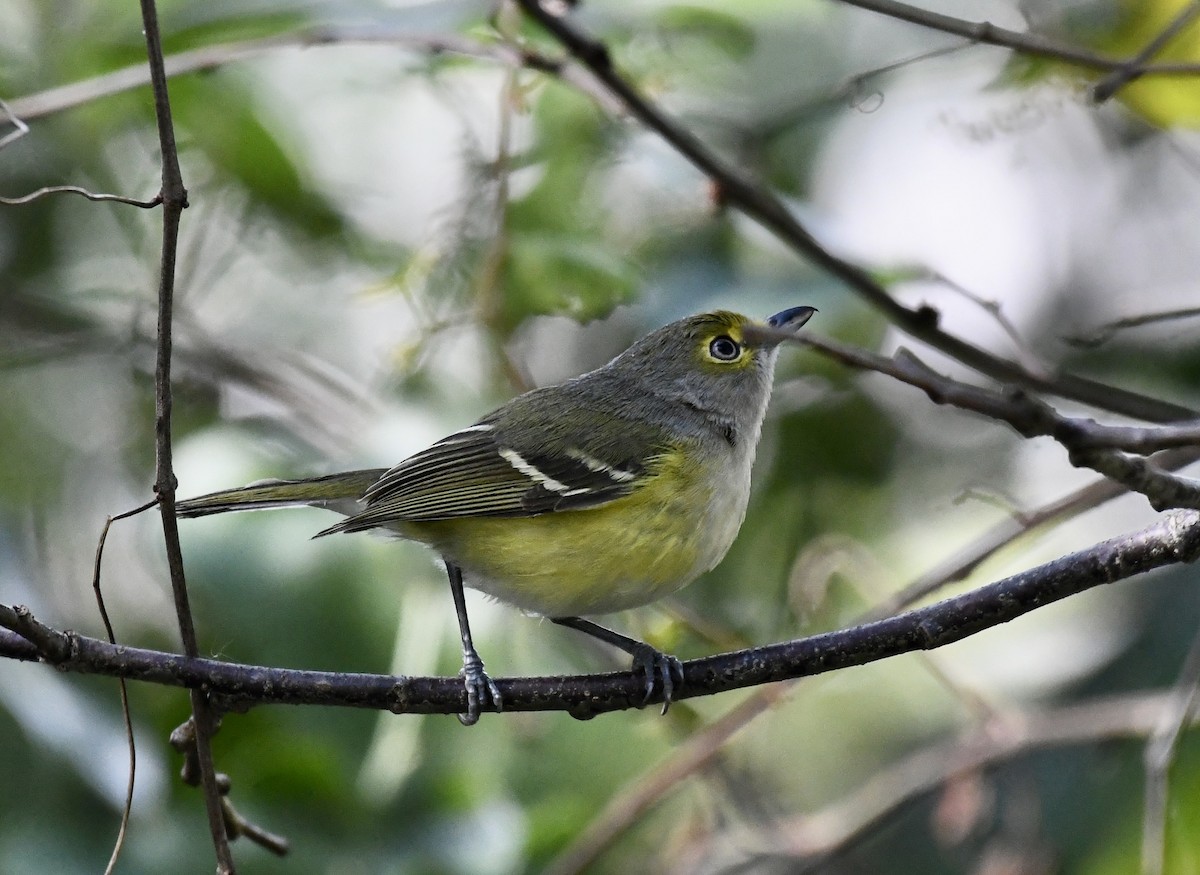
[[724, 348]]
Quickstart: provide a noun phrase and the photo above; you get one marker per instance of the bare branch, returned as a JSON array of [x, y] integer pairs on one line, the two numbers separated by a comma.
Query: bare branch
[[48, 644], [1135, 67], [1160, 753], [127, 808], [608, 88], [1089, 444], [986, 33], [992, 307], [183, 739], [75, 189], [958, 567], [620, 814], [625, 809], [1105, 332], [1176, 538], [54, 100], [174, 200], [1172, 540], [1013, 734], [760, 204], [19, 130]]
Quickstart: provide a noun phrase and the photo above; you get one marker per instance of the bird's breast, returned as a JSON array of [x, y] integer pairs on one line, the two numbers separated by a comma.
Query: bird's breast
[[673, 527]]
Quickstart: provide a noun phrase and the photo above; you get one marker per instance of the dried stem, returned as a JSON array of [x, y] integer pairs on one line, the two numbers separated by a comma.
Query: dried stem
[[174, 201], [986, 33], [127, 808], [75, 189], [1160, 753], [1135, 67], [1104, 448], [756, 201]]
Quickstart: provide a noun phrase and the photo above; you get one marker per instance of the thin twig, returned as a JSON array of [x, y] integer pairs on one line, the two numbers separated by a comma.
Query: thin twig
[[992, 307], [625, 809], [1031, 44], [221, 54], [174, 200], [204, 58], [830, 829], [1089, 444], [183, 739], [757, 202], [47, 643], [1135, 67], [127, 809], [20, 129], [1158, 756], [958, 567], [75, 189], [238, 826], [1103, 333]]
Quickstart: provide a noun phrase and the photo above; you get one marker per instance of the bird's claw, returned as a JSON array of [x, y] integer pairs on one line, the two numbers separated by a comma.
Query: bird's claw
[[659, 668], [481, 689]]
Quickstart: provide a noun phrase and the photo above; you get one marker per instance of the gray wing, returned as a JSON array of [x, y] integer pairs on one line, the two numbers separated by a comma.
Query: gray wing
[[493, 469]]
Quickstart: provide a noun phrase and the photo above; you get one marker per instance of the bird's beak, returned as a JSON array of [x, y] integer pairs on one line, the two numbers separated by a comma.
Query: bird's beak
[[792, 318], [780, 327]]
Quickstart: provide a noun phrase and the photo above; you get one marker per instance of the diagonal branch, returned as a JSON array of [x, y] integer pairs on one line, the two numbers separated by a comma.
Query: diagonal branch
[[1088, 443], [818, 835], [1172, 540], [1135, 68], [606, 86], [986, 33], [757, 202]]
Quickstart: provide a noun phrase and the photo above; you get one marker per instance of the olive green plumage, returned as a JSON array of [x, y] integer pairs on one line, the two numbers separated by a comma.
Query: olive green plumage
[[602, 493]]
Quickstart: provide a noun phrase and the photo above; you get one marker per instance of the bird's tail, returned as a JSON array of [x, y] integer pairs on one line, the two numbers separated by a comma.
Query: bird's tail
[[339, 492]]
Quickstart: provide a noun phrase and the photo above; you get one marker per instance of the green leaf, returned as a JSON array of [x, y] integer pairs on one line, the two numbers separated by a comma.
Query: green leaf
[[566, 273], [720, 29], [216, 114]]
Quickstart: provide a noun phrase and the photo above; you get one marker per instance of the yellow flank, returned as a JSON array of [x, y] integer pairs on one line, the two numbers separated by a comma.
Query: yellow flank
[[622, 554]]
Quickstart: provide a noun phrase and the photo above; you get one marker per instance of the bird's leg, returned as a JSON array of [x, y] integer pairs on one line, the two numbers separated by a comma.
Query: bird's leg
[[656, 665], [480, 688]]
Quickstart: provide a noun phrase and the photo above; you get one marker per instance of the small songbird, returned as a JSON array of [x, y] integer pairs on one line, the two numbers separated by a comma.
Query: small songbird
[[606, 492]]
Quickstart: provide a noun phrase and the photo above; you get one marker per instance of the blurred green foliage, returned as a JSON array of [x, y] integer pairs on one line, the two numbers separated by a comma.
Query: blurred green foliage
[[362, 269]]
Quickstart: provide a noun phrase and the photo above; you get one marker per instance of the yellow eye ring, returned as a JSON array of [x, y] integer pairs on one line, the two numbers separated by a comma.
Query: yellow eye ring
[[724, 348]]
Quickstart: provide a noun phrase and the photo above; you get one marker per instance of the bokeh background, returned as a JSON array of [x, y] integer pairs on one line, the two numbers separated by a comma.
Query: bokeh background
[[386, 239]]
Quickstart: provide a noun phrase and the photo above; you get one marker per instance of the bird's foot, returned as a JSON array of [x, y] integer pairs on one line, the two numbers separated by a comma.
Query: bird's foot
[[482, 691], [659, 668]]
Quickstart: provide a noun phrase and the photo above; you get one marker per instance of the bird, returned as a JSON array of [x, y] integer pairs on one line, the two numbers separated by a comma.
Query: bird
[[605, 492]]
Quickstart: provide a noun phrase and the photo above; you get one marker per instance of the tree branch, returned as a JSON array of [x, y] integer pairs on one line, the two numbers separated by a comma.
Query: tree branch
[[757, 202], [75, 189], [1172, 540], [613, 92], [1160, 751], [204, 58], [1009, 735], [986, 33], [1135, 67], [1089, 444], [174, 201]]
